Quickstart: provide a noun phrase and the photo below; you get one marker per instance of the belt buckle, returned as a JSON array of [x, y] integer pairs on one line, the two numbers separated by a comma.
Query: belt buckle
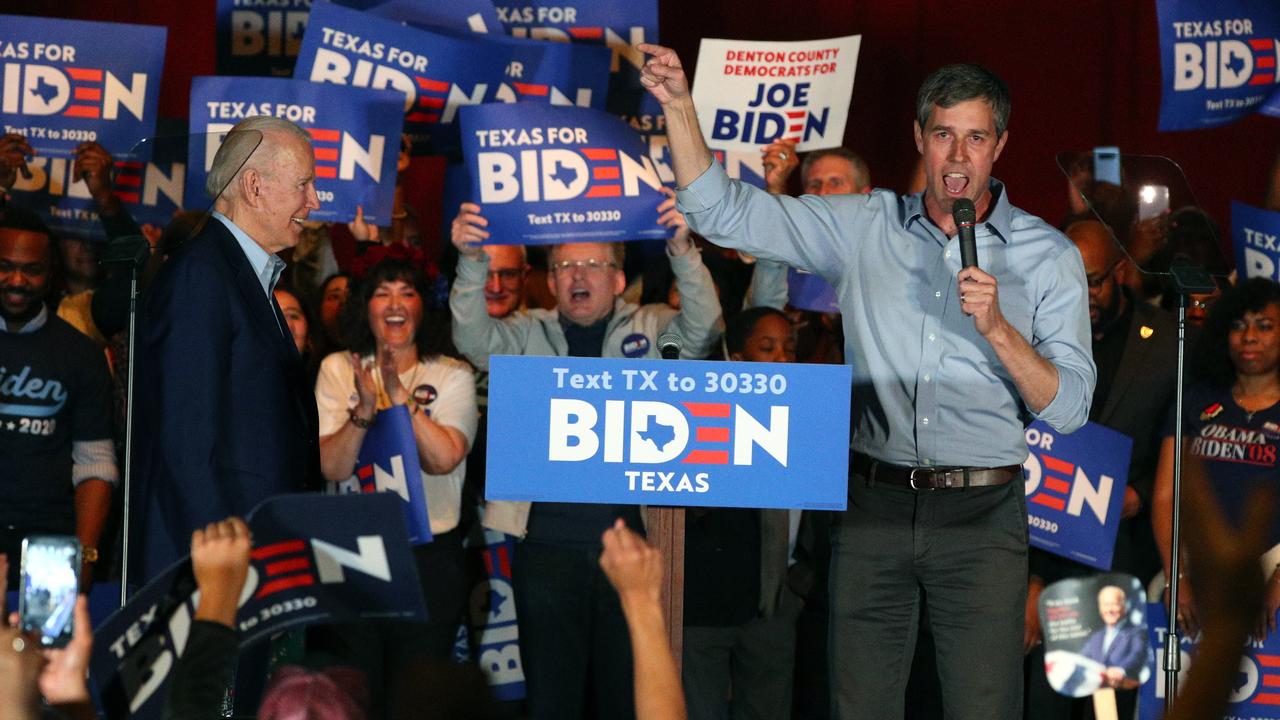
[[911, 479]]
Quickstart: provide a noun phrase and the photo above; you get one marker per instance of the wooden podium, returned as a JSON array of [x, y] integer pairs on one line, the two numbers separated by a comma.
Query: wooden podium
[[665, 526]]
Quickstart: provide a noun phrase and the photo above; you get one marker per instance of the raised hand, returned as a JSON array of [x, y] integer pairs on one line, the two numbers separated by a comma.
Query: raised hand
[[662, 74]]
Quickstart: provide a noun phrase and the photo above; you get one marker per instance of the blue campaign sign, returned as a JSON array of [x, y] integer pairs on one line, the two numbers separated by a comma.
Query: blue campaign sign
[[151, 193], [438, 72], [617, 24], [315, 559], [1255, 694], [263, 38], [808, 291], [672, 432], [495, 635], [355, 133], [1218, 61], [467, 15], [546, 174], [62, 85], [550, 72], [388, 462], [1075, 488], [1255, 234], [651, 125], [257, 38]]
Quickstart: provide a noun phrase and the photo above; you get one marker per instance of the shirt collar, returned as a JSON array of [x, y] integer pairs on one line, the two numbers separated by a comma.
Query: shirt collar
[[32, 325], [999, 220], [266, 267]]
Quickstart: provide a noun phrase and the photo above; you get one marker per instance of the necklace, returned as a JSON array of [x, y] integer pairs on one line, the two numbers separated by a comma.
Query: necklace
[[1252, 404]]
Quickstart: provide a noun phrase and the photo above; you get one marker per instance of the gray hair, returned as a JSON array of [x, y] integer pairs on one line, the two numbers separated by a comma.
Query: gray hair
[[244, 142], [953, 84], [861, 171]]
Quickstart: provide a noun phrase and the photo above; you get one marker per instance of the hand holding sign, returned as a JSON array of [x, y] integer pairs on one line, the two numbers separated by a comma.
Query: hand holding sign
[[93, 165], [670, 217], [467, 231], [14, 151], [780, 161]]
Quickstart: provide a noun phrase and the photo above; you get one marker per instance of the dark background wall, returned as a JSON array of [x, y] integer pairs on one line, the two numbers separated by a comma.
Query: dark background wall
[[1082, 72]]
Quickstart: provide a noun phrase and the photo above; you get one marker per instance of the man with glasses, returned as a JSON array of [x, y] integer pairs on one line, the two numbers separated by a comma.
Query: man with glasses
[[504, 285], [1133, 347], [571, 624]]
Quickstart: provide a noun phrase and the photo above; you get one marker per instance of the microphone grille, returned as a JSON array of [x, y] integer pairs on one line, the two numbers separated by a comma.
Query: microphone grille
[[669, 339], [963, 212]]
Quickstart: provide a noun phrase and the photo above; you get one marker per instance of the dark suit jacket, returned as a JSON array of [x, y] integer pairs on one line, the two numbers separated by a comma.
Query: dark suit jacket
[[1128, 650], [1136, 405], [1140, 395], [224, 416]]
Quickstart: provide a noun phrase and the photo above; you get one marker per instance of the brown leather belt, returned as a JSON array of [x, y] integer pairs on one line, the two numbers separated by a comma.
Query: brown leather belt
[[931, 478]]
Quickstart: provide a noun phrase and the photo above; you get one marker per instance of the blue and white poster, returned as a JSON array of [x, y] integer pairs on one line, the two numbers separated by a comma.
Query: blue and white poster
[[315, 559], [1255, 235], [495, 635], [263, 38], [151, 190], [672, 432], [476, 16], [752, 93], [259, 38], [808, 291], [62, 85], [545, 174], [355, 133], [1255, 694], [619, 25], [436, 72], [388, 462], [1075, 489], [1218, 61]]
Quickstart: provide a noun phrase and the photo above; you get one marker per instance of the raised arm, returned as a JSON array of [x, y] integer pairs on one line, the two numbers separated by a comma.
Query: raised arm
[[475, 334]]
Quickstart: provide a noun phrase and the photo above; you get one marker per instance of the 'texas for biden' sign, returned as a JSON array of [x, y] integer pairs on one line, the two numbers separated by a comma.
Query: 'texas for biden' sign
[[547, 174], [714, 434]]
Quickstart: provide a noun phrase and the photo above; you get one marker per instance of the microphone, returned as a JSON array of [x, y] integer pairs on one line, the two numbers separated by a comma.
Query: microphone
[[965, 216], [669, 345]]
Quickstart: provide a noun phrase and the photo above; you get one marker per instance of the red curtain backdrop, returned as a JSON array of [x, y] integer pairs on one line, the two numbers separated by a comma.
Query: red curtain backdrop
[[1083, 73]]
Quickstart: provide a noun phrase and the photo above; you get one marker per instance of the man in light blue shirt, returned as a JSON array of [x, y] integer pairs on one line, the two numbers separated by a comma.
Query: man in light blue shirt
[[949, 364]]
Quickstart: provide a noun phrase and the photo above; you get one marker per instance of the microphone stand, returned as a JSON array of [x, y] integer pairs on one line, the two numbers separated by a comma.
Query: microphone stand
[[130, 250], [1187, 280]]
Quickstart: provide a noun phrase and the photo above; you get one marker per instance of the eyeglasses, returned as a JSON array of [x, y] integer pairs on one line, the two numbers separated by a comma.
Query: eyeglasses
[[507, 276], [1096, 282], [590, 267]]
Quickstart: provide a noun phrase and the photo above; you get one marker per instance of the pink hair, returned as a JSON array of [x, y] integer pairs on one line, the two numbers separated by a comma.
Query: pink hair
[[299, 694]]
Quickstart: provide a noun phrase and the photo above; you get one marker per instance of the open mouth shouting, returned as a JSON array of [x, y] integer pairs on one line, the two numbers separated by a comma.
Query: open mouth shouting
[[955, 183]]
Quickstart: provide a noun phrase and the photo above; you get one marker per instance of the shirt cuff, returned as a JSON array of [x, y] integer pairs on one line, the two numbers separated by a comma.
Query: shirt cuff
[[473, 270], [704, 192], [682, 264], [93, 459], [1066, 413]]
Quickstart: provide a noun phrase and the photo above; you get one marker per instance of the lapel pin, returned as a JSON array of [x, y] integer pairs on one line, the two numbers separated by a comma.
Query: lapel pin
[[1146, 332]]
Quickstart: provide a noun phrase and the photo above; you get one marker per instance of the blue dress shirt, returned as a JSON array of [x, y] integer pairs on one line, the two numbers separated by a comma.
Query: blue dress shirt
[[928, 389], [266, 267]]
